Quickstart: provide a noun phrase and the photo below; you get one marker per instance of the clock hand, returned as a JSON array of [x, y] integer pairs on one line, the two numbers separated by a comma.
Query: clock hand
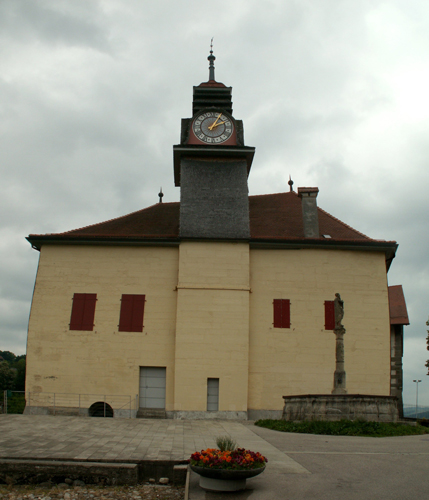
[[217, 125], [213, 125]]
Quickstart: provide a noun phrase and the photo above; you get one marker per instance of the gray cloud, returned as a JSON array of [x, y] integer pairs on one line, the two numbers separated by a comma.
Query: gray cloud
[[333, 93]]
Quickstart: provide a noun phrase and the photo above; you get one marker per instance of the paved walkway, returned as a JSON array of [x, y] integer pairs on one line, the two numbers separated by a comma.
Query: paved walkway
[[301, 466], [31, 436]]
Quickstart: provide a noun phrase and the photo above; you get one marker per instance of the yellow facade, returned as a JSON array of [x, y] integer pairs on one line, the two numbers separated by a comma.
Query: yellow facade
[[209, 314], [301, 359], [102, 361], [212, 328]]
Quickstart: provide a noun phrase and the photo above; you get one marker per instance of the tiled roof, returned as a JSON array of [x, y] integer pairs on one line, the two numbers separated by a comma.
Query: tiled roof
[[279, 216], [158, 221], [397, 306], [274, 217]]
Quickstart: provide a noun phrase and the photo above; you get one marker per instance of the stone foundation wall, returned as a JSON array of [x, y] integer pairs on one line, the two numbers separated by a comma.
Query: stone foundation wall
[[264, 414], [73, 412], [207, 415], [333, 407]]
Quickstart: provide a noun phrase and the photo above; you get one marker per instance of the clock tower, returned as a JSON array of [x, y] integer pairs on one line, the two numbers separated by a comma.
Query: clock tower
[[211, 166]]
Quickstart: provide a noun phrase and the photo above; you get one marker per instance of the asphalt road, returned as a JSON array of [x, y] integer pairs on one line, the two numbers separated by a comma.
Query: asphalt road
[[340, 468]]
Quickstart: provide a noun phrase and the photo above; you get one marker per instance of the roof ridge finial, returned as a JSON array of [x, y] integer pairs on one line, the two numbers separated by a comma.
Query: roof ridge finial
[[160, 194], [290, 182], [211, 58]]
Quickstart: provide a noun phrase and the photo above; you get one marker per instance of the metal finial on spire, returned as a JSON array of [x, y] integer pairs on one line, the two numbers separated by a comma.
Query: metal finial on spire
[[290, 182], [211, 58], [160, 194]]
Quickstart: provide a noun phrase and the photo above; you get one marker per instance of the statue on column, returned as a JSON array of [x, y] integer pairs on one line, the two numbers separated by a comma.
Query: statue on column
[[339, 330], [338, 311]]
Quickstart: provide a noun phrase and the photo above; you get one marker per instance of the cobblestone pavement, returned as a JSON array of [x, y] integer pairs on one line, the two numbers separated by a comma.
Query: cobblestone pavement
[[78, 438], [142, 492]]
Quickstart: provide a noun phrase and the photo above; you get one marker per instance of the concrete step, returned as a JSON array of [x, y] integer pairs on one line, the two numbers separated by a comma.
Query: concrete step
[[28, 471], [151, 413]]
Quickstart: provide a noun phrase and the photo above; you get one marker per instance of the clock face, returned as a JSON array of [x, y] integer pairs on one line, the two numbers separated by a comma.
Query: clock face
[[212, 127]]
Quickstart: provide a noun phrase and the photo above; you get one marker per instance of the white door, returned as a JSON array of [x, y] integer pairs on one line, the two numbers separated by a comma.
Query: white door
[[152, 387], [212, 394]]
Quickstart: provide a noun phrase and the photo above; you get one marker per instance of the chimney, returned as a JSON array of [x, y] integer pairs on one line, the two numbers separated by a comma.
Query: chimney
[[310, 216]]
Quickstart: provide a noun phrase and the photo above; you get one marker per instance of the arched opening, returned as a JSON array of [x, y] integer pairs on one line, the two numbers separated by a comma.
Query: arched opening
[[100, 409]]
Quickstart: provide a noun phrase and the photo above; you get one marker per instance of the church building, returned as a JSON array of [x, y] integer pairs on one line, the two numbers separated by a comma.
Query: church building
[[216, 306]]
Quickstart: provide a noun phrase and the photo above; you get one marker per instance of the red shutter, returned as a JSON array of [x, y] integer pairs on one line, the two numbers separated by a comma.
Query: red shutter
[[83, 311], [285, 313], [77, 311], [126, 313], [132, 310], [277, 313], [138, 310], [329, 315], [281, 313]]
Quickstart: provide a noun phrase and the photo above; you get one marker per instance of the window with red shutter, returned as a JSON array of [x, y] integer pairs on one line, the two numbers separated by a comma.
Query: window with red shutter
[[83, 311], [132, 312], [329, 315], [281, 313]]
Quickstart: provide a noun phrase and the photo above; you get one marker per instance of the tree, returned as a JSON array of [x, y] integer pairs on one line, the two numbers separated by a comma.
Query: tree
[[8, 356], [12, 371], [20, 375], [7, 376]]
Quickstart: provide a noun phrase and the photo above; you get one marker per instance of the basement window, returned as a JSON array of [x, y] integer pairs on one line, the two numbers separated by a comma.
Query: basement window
[[100, 409]]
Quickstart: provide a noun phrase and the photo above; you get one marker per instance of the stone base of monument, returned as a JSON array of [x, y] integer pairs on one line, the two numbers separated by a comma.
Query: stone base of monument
[[333, 407]]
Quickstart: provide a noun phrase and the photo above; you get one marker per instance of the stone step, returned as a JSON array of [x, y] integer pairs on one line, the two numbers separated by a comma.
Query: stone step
[[151, 413]]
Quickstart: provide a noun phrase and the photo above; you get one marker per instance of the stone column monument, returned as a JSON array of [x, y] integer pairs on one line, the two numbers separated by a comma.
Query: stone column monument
[[339, 330]]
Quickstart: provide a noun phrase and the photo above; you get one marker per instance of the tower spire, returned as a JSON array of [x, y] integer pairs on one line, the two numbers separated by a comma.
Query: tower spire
[[211, 58]]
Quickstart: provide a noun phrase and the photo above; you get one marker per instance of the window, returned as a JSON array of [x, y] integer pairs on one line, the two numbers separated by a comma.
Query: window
[[212, 394], [83, 311], [132, 310], [281, 313], [329, 315]]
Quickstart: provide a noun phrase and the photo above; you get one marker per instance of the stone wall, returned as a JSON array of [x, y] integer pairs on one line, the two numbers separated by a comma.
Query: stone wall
[[333, 407]]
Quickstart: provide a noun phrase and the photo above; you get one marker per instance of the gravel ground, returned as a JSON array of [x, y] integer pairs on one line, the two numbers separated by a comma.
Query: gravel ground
[[140, 492]]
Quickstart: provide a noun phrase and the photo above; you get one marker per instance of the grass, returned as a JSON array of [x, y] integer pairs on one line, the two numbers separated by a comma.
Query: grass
[[344, 428]]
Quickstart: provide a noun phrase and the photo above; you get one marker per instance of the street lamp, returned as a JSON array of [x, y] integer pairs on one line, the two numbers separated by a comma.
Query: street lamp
[[417, 394]]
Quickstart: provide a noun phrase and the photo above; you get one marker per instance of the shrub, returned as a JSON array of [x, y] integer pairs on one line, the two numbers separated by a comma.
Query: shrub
[[16, 403], [226, 443], [344, 428]]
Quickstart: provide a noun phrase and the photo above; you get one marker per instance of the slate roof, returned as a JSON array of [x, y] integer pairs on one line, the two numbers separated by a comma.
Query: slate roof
[[397, 306], [273, 217]]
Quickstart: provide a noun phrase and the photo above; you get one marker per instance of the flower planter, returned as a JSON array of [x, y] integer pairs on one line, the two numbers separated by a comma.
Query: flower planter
[[225, 479]]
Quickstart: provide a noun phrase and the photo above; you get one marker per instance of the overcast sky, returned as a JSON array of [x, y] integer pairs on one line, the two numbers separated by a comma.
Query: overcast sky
[[332, 92]]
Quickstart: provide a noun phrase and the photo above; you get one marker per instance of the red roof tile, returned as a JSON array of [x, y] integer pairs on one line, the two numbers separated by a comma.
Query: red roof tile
[[275, 217], [160, 220], [279, 216], [212, 83], [397, 306]]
